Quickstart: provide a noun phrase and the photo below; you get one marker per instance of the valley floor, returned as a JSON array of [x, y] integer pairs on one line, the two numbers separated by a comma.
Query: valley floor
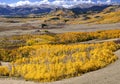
[[107, 75], [65, 28]]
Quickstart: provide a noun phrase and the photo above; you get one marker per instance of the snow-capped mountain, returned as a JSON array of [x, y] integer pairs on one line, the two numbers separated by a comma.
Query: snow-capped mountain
[[26, 7], [63, 3], [88, 8]]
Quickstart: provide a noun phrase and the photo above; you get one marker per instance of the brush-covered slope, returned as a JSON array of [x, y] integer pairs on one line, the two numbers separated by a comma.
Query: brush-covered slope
[[58, 16], [110, 14]]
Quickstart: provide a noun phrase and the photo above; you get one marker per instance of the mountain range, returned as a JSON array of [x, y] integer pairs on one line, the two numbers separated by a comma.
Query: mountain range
[[6, 10]]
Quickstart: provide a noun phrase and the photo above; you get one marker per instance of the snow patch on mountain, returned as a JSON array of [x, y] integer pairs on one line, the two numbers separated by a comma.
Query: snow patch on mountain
[[63, 3]]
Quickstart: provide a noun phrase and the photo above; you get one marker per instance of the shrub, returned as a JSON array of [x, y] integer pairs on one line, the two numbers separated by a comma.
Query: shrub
[[4, 71]]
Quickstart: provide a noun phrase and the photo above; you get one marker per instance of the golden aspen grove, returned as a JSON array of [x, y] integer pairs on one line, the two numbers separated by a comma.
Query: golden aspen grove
[[52, 57]]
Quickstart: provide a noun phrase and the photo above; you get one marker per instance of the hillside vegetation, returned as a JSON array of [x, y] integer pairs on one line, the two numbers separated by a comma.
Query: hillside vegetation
[[55, 62], [105, 18], [52, 57], [9, 46], [110, 14]]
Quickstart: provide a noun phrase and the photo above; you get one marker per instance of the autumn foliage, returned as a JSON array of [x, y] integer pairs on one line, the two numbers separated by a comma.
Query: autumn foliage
[[55, 62], [4, 71], [54, 57]]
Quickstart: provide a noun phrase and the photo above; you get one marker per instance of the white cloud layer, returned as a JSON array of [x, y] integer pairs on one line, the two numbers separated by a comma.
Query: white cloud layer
[[108, 1], [3, 3], [64, 3]]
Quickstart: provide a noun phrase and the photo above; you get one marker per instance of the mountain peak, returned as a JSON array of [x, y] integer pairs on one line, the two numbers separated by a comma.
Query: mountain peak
[[42, 7], [63, 3]]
